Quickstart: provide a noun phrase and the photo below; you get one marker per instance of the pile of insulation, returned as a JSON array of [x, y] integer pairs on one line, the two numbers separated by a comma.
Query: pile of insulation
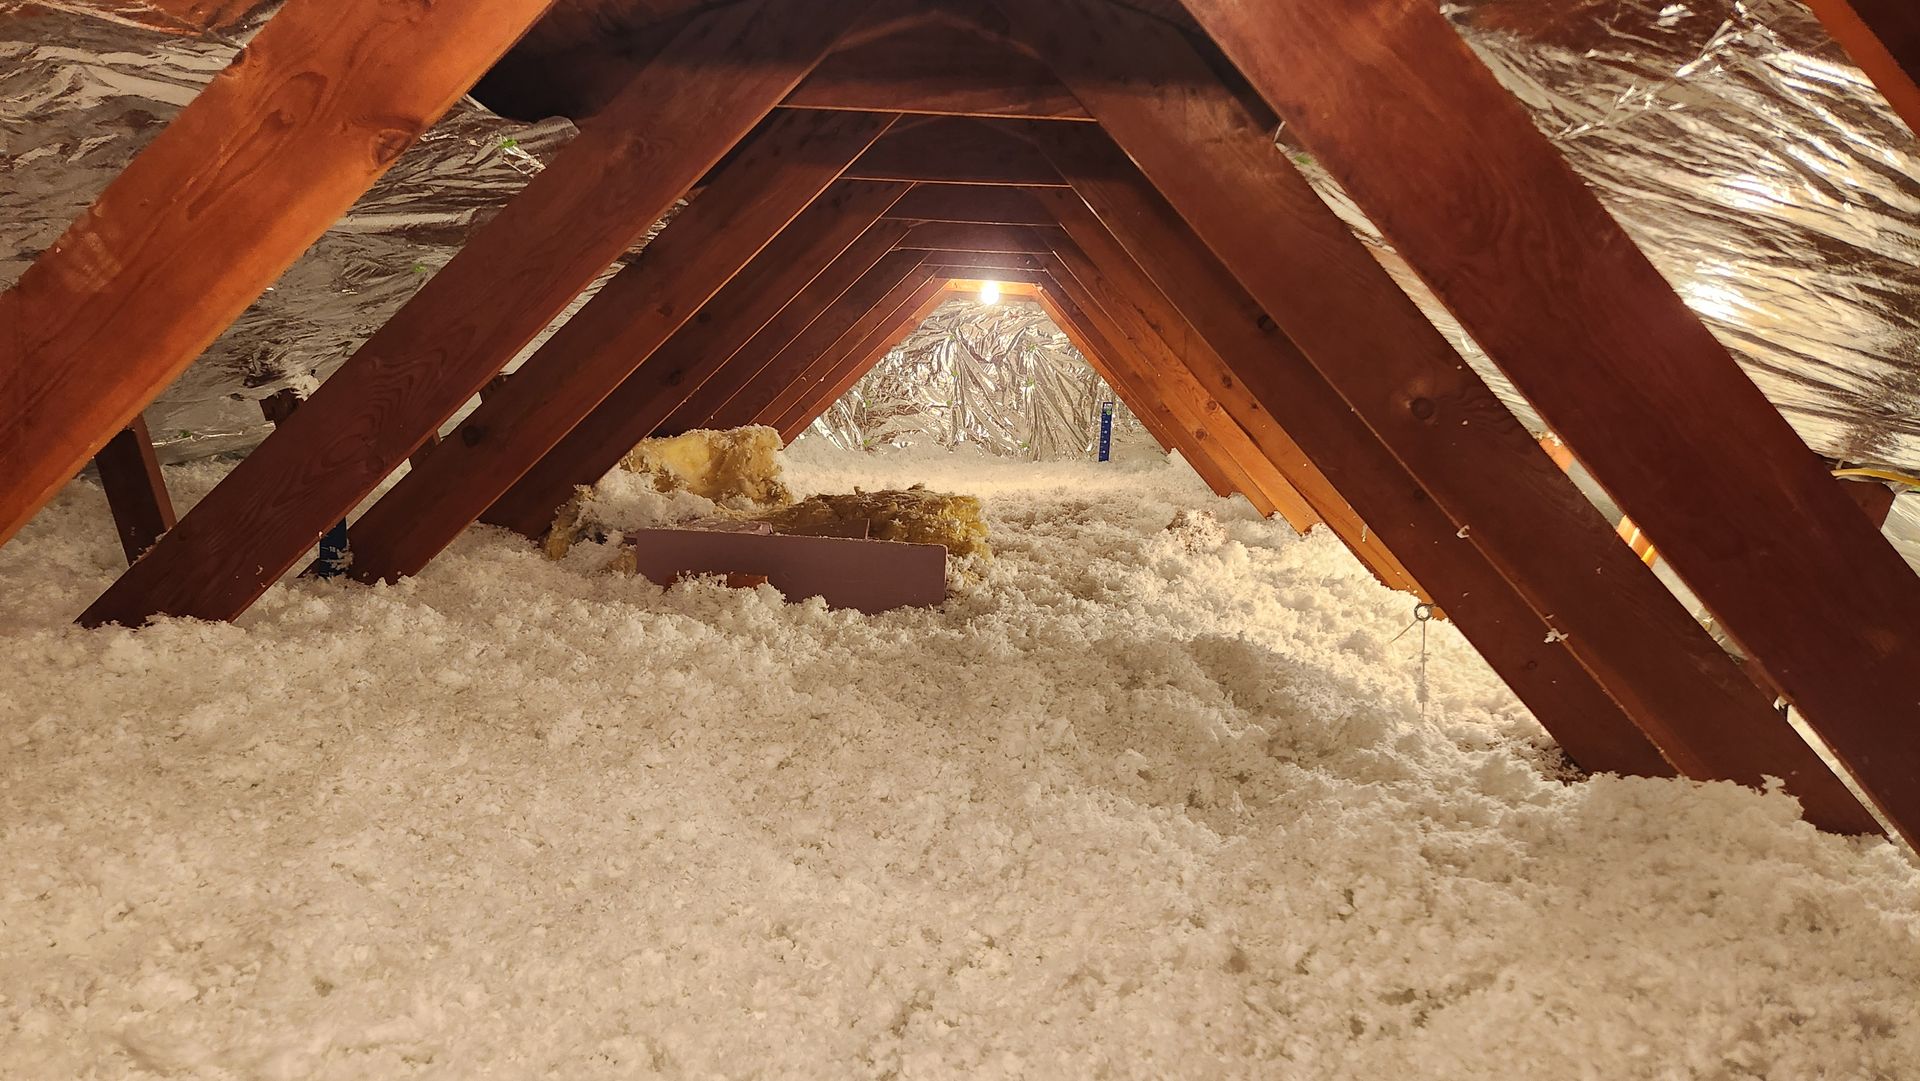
[[738, 470]]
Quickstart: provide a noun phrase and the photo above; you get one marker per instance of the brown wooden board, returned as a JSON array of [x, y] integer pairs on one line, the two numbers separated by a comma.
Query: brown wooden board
[[744, 366], [602, 192], [1589, 726], [1142, 363], [865, 575], [1483, 207], [1218, 166], [785, 165], [850, 316], [257, 166], [1169, 352], [931, 68], [956, 236], [849, 357], [1883, 37], [1152, 413], [973, 205], [136, 492], [840, 222], [954, 150]]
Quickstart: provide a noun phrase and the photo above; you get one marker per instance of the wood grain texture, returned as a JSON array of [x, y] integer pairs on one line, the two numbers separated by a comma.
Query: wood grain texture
[[1589, 726], [856, 359], [1883, 37], [1139, 319], [789, 162], [269, 154], [519, 271], [1143, 363], [954, 150], [1583, 324], [1219, 168], [971, 205], [702, 347], [1204, 373], [934, 69], [136, 492], [850, 315], [1153, 415], [743, 367], [958, 236]]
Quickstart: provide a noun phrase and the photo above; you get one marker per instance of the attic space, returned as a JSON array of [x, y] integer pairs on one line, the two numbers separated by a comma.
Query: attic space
[[922, 539]]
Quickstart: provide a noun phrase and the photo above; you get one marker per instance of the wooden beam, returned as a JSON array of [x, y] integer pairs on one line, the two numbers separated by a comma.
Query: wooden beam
[[269, 154], [1152, 414], [1481, 205], [744, 366], [932, 68], [1092, 243], [951, 236], [1589, 726], [954, 150], [1883, 37], [601, 193], [136, 492], [970, 205], [976, 286], [1213, 161], [783, 168], [1169, 349], [667, 377], [973, 262], [1144, 363], [850, 315], [860, 358]]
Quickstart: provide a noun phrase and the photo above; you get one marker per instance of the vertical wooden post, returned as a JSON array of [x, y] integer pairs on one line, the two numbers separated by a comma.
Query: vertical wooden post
[[269, 154], [136, 492], [1395, 106], [720, 75]]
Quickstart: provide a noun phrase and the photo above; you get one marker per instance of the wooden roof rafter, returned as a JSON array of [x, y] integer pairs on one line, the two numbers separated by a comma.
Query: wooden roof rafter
[[1195, 190]]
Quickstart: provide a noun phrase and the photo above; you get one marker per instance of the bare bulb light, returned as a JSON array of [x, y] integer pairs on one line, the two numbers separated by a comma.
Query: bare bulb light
[[990, 293]]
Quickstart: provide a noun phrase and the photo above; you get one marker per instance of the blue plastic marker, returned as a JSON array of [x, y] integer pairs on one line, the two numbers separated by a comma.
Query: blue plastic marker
[[1106, 431]]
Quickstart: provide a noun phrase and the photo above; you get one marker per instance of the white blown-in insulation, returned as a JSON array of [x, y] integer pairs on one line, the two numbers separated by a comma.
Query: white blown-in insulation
[[1140, 802]]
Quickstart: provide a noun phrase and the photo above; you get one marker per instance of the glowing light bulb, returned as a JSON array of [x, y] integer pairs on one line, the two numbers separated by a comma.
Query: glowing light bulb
[[990, 293]]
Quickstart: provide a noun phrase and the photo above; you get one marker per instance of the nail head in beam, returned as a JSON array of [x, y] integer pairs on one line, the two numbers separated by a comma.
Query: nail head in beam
[[518, 272], [1552, 287], [1306, 269], [139, 285]]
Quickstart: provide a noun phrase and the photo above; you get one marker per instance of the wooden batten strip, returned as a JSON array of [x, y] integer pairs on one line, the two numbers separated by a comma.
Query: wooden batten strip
[[136, 492]]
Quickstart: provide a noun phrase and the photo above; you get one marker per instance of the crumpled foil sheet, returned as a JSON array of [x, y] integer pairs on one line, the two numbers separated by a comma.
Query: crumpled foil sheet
[[83, 86], [998, 376], [1759, 169]]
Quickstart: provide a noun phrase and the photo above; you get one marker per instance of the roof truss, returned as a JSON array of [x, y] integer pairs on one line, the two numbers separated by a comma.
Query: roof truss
[[1168, 236]]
